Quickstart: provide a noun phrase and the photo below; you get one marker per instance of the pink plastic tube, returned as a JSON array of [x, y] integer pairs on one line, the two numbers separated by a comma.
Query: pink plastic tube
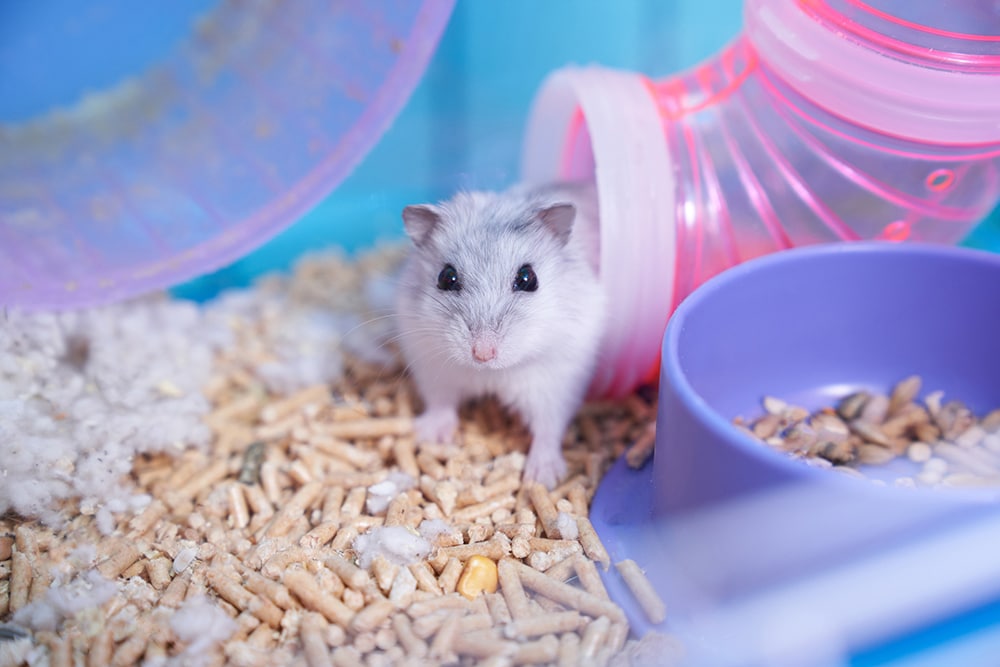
[[825, 120]]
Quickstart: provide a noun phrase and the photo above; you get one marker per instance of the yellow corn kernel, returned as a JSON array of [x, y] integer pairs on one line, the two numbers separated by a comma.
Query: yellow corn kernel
[[480, 574]]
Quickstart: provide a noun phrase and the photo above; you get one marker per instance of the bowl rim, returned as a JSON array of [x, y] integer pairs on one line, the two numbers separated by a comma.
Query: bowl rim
[[722, 428]]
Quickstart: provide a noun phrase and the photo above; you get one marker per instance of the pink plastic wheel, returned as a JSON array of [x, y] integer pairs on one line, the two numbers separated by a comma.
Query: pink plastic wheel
[[258, 115]]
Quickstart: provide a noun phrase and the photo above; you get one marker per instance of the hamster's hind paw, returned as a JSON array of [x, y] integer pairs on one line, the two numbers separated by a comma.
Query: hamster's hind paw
[[436, 426], [545, 466]]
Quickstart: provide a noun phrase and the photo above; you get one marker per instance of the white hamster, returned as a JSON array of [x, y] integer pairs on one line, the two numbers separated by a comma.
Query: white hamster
[[501, 296]]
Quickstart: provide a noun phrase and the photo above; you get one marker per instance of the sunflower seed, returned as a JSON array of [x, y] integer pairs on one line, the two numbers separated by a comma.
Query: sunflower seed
[[903, 394], [850, 406]]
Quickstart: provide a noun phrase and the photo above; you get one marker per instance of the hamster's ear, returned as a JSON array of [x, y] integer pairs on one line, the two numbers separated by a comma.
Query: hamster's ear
[[558, 220], [420, 221]]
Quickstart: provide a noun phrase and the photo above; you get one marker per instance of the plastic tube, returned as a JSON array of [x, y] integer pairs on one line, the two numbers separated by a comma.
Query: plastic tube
[[824, 121], [258, 115]]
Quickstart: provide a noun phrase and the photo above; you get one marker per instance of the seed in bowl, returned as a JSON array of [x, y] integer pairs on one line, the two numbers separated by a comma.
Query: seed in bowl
[[939, 443]]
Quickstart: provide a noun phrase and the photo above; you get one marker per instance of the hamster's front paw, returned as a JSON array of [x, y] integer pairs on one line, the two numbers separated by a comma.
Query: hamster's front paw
[[545, 465], [436, 426]]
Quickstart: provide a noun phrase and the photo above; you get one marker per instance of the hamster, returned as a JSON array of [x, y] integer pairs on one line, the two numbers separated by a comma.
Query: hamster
[[500, 295]]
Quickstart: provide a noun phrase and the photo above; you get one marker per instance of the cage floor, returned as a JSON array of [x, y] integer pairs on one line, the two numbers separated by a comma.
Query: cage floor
[[308, 527]]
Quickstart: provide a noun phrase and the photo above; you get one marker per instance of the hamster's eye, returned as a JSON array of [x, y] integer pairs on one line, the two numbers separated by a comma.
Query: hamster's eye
[[525, 280], [448, 279]]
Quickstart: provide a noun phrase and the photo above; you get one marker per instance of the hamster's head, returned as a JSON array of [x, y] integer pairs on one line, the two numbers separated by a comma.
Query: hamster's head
[[490, 276]]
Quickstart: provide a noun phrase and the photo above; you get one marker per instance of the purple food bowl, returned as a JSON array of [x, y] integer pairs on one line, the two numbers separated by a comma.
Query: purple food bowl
[[758, 555]]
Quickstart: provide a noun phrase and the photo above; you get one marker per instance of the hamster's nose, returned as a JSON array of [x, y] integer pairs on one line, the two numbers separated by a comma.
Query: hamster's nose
[[484, 350]]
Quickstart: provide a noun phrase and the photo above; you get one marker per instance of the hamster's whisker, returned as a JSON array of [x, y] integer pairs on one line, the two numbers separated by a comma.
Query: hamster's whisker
[[368, 322], [442, 305], [437, 353], [437, 331], [403, 334], [371, 320], [507, 313]]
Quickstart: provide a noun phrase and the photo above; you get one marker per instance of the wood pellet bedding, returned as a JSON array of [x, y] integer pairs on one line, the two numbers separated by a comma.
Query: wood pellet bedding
[[254, 552]]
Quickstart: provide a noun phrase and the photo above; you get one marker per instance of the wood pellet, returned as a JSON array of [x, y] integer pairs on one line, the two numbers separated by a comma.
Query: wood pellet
[[931, 441], [262, 526]]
